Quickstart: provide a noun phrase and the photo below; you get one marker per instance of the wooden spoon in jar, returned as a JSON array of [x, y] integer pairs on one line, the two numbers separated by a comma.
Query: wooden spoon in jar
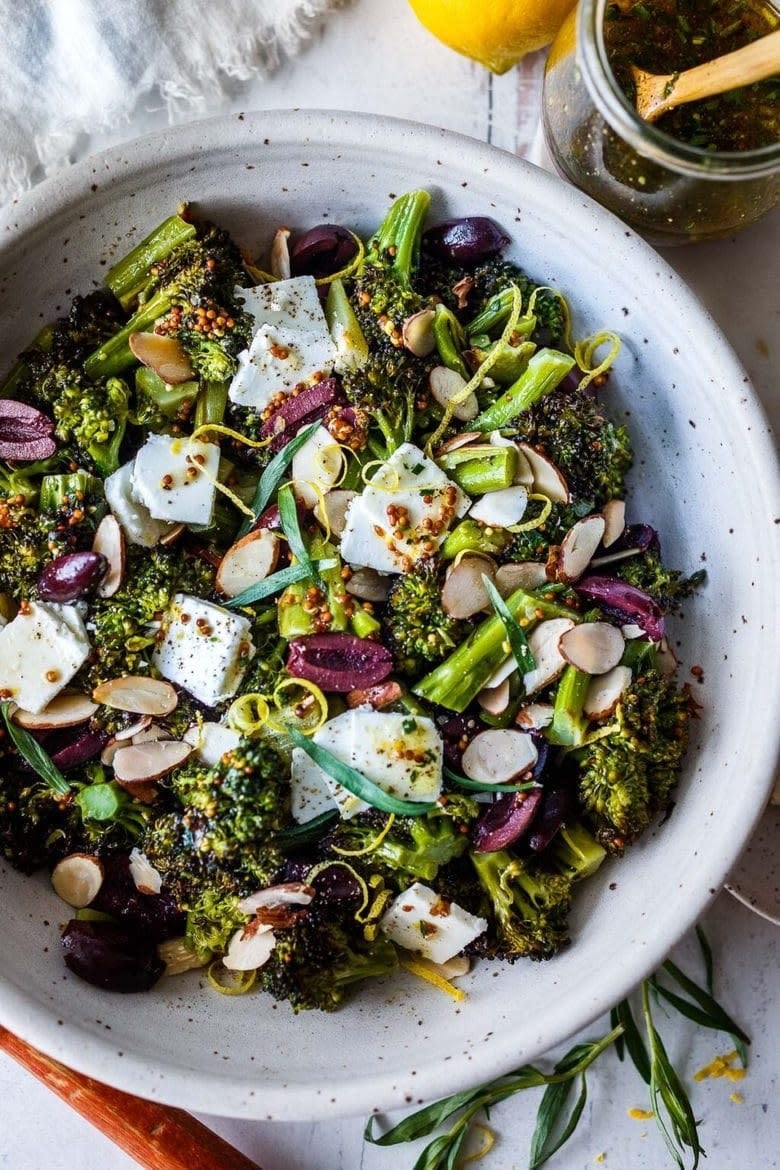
[[658, 93]]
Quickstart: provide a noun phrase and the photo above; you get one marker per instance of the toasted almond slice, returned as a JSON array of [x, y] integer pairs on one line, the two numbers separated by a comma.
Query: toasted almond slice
[[109, 751], [280, 254], [377, 696], [577, 548], [144, 791], [77, 879], [283, 894], [631, 631], [150, 734], [141, 763], [417, 333], [248, 561], [173, 534], [454, 968], [604, 693], [146, 877], [166, 356], [505, 670], [502, 508], [543, 644], [210, 741], [250, 948], [67, 710], [667, 659], [535, 716], [109, 541], [495, 700], [138, 694], [369, 585], [464, 592], [594, 647], [548, 480], [499, 756], [178, 956], [457, 441], [134, 729], [331, 510], [524, 475], [614, 513], [446, 384], [520, 575]]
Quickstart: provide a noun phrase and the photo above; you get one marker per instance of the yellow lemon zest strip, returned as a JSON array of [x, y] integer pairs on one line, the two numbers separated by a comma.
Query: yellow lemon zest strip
[[229, 982], [352, 266], [585, 351], [488, 1141], [372, 845], [248, 714], [641, 1114], [537, 521], [422, 971], [304, 685]]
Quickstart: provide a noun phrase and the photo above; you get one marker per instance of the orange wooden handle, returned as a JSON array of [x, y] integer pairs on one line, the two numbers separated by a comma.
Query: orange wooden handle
[[159, 1137]]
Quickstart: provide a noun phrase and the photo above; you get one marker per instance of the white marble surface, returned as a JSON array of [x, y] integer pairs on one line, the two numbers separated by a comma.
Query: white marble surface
[[373, 57]]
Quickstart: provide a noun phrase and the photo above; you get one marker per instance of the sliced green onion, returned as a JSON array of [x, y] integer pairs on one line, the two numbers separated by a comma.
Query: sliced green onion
[[272, 476], [483, 786], [355, 782], [306, 834], [514, 632], [288, 515], [31, 751], [276, 582]]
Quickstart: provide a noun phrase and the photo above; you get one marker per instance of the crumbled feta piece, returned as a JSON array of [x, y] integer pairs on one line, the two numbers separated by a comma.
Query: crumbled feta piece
[[210, 741], [205, 649], [40, 651], [423, 921], [291, 341], [411, 487], [174, 478], [134, 518], [402, 754]]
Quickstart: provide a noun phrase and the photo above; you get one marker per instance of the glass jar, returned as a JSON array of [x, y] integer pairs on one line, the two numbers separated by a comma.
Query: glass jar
[[669, 191]]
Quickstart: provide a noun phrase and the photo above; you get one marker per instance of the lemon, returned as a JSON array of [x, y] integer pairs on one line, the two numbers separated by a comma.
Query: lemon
[[497, 33]]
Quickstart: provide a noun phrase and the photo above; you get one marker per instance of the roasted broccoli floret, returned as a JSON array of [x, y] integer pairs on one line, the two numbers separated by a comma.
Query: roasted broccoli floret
[[413, 850], [668, 587], [534, 543], [318, 958], [529, 907], [417, 629], [91, 416], [626, 778], [37, 826]]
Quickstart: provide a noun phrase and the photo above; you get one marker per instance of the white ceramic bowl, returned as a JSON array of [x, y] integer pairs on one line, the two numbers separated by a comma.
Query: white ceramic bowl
[[705, 475]]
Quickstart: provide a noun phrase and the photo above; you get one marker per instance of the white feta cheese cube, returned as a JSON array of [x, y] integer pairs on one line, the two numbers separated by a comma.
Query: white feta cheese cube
[[291, 341], [210, 741], [309, 794], [133, 517], [40, 652], [174, 479], [205, 649], [423, 921]]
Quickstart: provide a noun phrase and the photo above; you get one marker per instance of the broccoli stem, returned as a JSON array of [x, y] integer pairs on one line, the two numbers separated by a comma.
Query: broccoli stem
[[399, 234], [512, 360], [450, 340], [568, 723], [576, 852], [296, 621], [544, 372], [56, 489], [460, 678], [496, 313], [129, 275], [166, 398], [114, 355], [470, 536], [211, 403], [481, 468], [362, 623]]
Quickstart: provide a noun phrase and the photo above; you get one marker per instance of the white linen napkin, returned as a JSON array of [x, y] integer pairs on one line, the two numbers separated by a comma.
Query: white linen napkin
[[73, 67]]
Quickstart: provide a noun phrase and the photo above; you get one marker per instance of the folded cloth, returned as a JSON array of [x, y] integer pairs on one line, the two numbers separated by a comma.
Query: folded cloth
[[74, 67]]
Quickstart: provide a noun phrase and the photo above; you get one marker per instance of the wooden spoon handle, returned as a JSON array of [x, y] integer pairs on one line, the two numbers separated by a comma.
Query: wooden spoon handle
[[754, 62], [158, 1137]]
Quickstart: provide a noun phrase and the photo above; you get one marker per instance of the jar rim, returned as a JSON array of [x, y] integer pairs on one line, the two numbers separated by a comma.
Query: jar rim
[[645, 138]]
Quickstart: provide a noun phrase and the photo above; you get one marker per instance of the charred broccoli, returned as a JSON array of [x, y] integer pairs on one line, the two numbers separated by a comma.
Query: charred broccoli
[[529, 907], [418, 630], [413, 850], [668, 587], [92, 416]]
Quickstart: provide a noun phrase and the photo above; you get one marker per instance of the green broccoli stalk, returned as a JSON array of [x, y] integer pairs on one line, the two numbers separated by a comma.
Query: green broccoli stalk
[[416, 627], [569, 724], [472, 536], [574, 852], [413, 850], [460, 678], [158, 404], [544, 372], [450, 340], [511, 362], [130, 275], [495, 314], [480, 467], [529, 907]]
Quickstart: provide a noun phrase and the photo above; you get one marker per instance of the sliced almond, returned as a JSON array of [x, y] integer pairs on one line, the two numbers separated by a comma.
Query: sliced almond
[[248, 561], [577, 548], [543, 644], [446, 384], [147, 879], [454, 968], [109, 541], [138, 694], [109, 751], [331, 510], [457, 441], [165, 356], [463, 593], [369, 585], [505, 670], [283, 894], [548, 480], [502, 508], [631, 631], [499, 756], [173, 534], [520, 575], [604, 693], [250, 948], [495, 700], [178, 956], [378, 696], [280, 254], [67, 710], [614, 513], [417, 333], [524, 474], [77, 879], [666, 658], [210, 741], [134, 729], [141, 763], [535, 716], [594, 647]]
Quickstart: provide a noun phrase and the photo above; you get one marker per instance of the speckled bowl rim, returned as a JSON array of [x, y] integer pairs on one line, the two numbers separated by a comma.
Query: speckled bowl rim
[[198, 1090]]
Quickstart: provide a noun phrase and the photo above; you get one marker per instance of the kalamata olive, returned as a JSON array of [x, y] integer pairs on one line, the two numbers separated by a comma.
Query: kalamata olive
[[112, 956], [156, 916], [83, 744], [339, 662], [470, 239], [557, 806], [25, 433], [335, 883], [298, 411], [456, 734], [624, 602], [506, 820], [641, 536], [71, 576], [322, 250]]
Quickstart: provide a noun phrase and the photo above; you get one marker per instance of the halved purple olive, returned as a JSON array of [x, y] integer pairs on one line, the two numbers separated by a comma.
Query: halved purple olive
[[470, 239], [339, 662], [624, 602], [84, 745], [557, 806], [71, 576], [25, 433], [506, 820], [298, 411], [111, 956], [322, 250], [155, 916]]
